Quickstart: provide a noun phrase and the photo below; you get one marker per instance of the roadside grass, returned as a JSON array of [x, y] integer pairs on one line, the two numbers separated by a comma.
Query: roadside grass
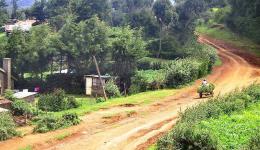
[[29, 147], [218, 62], [62, 136], [236, 130], [152, 147], [88, 105], [230, 37]]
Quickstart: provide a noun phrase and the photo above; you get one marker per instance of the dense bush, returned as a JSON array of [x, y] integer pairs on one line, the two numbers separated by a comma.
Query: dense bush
[[57, 101], [185, 135], [148, 80], [100, 100], [21, 107], [50, 122], [7, 127], [9, 94], [183, 71], [111, 89], [148, 63]]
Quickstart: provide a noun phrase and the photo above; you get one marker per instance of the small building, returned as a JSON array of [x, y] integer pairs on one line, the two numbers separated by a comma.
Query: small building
[[26, 95], [25, 25], [6, 79], [93, 84]]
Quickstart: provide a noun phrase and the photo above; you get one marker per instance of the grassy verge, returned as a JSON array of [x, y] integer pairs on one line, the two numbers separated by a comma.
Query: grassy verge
[[235, 131], [153, 147], [228, 122], [230, 37], [90, 105], [218, 62]]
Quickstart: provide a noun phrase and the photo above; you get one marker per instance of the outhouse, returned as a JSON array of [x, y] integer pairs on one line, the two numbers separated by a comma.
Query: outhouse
[[93, 84]]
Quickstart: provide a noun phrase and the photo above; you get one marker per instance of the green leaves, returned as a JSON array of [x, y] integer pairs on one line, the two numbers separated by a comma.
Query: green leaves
[[229, 122]]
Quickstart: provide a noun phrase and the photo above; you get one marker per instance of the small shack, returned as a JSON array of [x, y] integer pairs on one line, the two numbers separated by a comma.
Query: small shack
[[93, 84], [26, 95]]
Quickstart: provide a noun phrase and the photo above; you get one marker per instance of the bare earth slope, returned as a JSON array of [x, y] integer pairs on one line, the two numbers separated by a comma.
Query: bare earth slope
[[147, 123]]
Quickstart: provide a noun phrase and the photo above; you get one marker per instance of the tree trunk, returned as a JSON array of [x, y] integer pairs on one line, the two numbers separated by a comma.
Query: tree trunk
[[99, 75]]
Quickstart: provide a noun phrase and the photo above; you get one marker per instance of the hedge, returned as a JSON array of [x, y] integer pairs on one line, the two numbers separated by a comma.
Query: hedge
[[148, 80]]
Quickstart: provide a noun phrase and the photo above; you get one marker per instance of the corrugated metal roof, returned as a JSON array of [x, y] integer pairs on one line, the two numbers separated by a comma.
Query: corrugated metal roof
[[3, 110], [23, 94]]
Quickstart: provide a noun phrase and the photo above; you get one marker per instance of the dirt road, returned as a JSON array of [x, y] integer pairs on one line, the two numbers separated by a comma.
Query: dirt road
[[136, 127]]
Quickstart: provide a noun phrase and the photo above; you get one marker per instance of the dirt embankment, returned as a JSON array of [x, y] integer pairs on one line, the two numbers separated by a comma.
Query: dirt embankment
[[139, 126]]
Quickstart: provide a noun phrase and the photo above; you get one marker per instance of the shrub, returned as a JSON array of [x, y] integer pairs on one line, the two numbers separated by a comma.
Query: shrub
[[56, 101], [148, 80], [111, 89], [7, 127], [182, 71], [71, 119], [147, 63], [100, 100], [185, 135], [21, 107], [49, 122], [9, 94]]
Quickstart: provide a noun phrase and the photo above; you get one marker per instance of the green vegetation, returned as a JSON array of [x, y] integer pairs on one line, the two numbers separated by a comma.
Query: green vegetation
[[206, 88], [49, 122], [21, 107], [7, 127], [111, 89], [148, 80], [212, 124], [234, 131], [57, 101], [89, 105], [29, 147], [218, 62], [230, 37], [62, 136]]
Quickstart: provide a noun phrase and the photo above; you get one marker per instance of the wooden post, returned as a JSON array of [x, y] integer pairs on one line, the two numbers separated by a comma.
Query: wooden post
[[99, 76]]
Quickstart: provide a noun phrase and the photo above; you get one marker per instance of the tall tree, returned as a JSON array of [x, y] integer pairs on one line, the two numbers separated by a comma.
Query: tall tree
[[3, 12], [128, 47], [86, 9], [164, 13], [38, 10], [14, 9], [17, 48], [83, 40]]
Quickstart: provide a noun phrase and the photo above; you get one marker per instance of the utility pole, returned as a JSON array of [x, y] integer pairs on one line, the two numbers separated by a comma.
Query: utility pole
[[160, 41], [99, 76]]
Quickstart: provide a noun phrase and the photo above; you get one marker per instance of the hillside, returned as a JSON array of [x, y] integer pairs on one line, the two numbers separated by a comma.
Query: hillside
[[22, 3]]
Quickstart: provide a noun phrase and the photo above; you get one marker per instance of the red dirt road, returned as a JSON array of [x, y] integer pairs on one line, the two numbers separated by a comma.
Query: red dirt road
[[144, 125]]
